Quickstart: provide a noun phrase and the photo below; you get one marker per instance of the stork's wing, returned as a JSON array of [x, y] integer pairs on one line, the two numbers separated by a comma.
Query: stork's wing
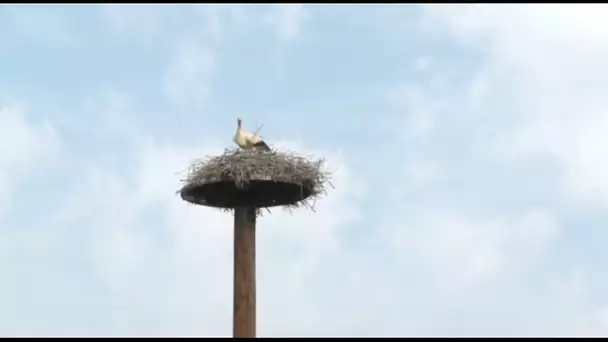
[[262, 145]]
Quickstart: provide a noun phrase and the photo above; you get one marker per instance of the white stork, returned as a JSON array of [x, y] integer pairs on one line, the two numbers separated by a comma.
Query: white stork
[[247, 140]]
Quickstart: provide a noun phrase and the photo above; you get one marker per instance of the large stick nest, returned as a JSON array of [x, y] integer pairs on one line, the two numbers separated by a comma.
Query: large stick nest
[[249, 178]]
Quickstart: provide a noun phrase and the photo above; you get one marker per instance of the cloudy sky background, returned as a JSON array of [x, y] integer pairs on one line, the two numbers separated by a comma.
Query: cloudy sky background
[[469, 142]]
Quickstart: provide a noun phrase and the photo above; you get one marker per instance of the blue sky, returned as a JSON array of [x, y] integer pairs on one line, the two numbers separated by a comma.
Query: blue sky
[[469, 142]]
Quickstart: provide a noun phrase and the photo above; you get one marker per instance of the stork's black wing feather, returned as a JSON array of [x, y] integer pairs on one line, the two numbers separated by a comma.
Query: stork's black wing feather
[[261, 144]]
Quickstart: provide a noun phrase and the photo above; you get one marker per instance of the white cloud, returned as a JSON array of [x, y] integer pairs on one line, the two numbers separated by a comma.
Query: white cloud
[[417, 109], [187, 76], [288, 21], [422, 63], [20, 141], [463, 254], [22, 145], [421, 172], [544, 65]]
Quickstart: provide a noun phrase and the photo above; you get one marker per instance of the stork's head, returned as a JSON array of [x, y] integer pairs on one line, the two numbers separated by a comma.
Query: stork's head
[[239, 121]]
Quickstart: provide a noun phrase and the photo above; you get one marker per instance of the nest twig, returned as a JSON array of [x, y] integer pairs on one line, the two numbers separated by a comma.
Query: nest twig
[[255, 178]]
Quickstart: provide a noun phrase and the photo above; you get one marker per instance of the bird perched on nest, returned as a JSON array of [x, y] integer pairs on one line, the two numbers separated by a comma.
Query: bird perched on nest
[[247, 140]]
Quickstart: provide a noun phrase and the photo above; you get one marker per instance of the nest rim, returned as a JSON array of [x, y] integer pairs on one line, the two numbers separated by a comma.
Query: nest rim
[[264, 193]]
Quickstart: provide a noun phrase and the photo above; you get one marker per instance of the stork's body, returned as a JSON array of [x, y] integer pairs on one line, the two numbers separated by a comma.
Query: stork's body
[[247, 140]]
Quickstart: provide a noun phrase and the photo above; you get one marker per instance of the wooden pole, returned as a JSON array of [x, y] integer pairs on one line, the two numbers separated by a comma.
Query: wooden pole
[[244, 322]]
